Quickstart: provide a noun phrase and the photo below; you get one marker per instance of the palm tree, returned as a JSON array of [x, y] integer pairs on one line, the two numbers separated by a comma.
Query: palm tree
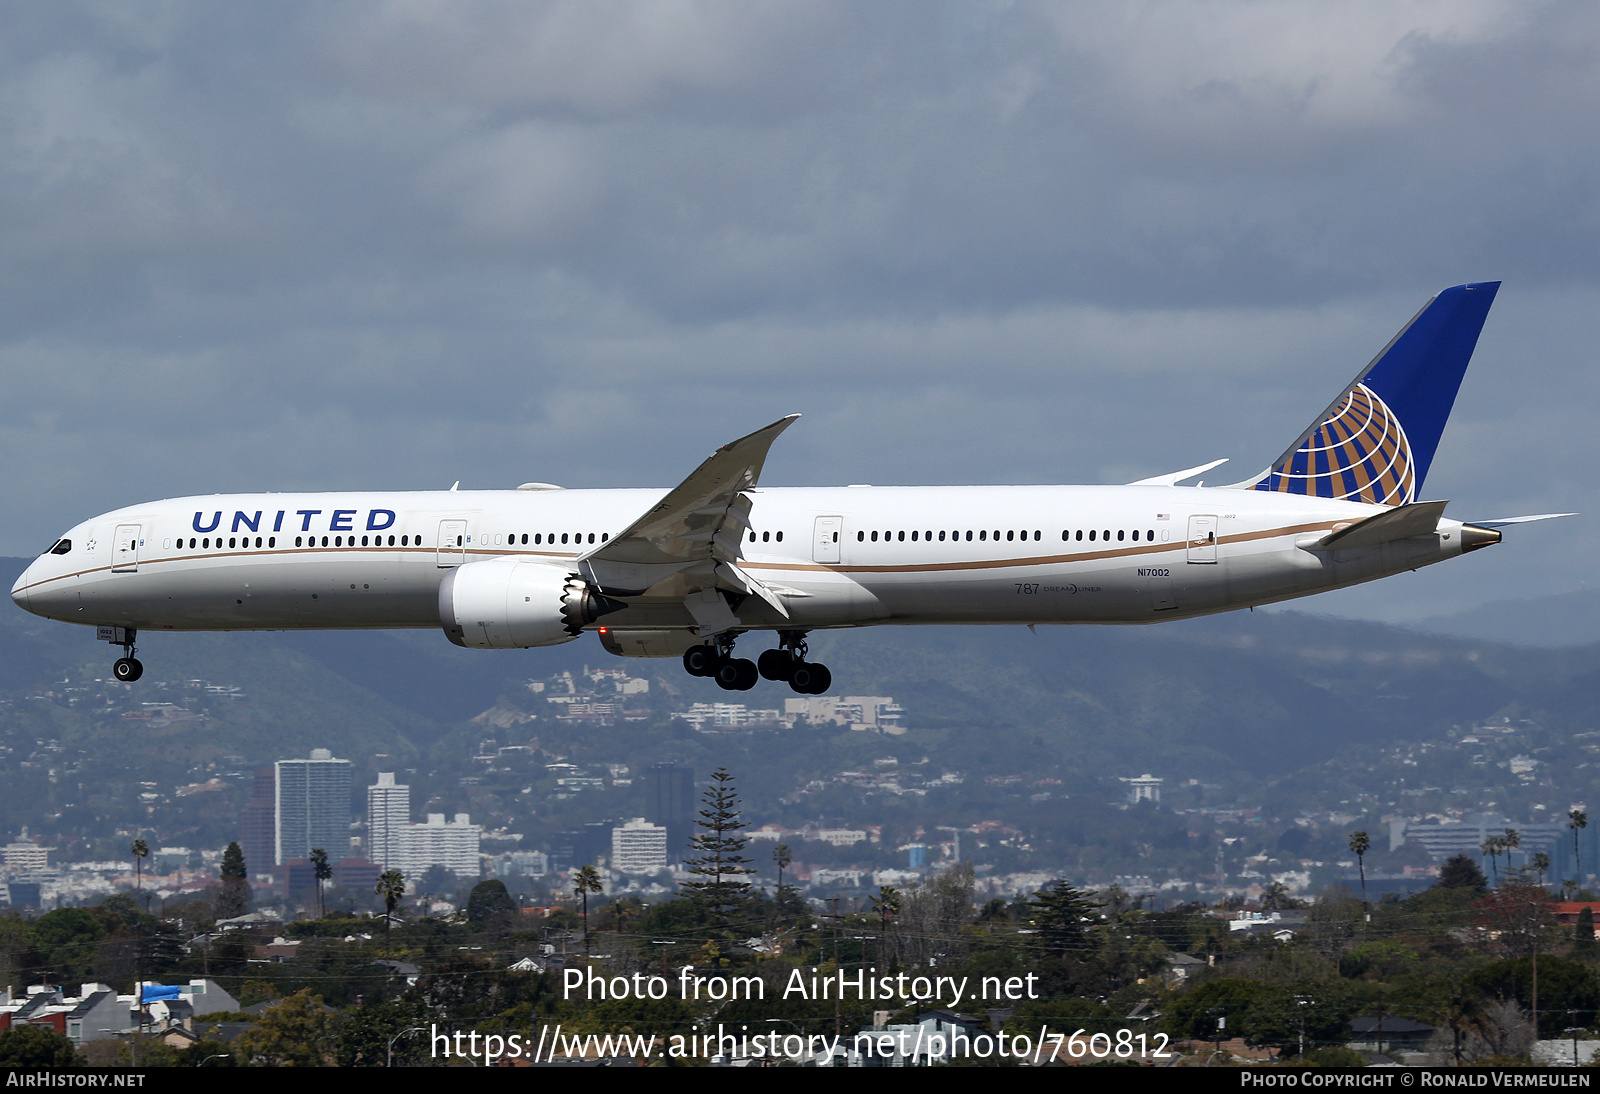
[[1541, 863], [1575, 820], [1360, 844], [140, 851], [1511, 841], [584, 882], [1491, 847], [392, 887], [322, 872]]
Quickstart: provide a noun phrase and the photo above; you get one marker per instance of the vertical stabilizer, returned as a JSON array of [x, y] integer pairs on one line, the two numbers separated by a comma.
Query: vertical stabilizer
[[1376, 441]]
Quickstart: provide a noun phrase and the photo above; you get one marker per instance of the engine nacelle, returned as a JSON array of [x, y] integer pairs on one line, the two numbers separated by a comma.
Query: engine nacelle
[[507, 603]]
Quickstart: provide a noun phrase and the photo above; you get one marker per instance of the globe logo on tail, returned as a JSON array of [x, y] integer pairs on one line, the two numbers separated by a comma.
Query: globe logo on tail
[[1359, 453]]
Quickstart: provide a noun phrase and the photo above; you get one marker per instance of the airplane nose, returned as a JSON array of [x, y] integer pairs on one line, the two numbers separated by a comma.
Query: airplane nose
[[19, 590]]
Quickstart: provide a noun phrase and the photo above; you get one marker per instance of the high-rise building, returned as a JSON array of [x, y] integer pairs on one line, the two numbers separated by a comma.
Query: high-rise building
[[638, 847], [394, 843], [258, 823], [388, 815], [670, 793], [313, 806], [450, 844]]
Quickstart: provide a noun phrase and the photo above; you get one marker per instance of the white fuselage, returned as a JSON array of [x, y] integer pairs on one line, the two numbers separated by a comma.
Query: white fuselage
[[838, 557]]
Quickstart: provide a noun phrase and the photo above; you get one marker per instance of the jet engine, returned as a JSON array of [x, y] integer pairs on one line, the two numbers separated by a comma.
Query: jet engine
[[507, 603]]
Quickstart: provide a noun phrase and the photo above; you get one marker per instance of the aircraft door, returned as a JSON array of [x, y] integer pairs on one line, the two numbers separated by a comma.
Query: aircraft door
[[125, 550], [452, 550], [825, 539], [1203, 538]]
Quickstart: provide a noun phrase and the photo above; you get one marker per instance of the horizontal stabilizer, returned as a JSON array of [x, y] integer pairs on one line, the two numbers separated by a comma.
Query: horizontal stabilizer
[[1402, 522], [1178, 476], [1506, 522]]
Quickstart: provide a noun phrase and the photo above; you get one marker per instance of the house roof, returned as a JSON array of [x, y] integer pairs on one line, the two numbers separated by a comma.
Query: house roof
[[1388, 1023]]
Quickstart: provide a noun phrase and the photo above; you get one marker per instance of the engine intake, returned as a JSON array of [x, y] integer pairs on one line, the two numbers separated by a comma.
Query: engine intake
[[506, 603]]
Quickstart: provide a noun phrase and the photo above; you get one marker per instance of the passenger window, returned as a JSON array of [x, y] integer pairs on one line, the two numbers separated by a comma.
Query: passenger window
[[969, 536], [297, 541], [538, 538], [1120, 534], [861, 537], [604, 536], [874, 537], [765, 536], [983, 535], [779, 537], [230, 542], [1036, 535], [1010, 536], [591, 537], [325, 541], [941, 537], [272, 541], [1107, 533], [1150, 534], [1078, 535], [563, 537], [1091, 535]]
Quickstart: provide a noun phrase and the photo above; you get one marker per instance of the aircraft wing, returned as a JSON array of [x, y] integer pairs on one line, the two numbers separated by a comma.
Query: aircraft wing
[[689, 543]]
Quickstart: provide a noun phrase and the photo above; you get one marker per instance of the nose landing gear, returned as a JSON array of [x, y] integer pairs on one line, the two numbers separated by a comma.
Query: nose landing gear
[[126, 668]]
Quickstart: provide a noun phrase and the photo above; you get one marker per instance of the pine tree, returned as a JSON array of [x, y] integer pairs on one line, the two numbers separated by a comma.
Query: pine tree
[[721, 889], [234, 897], [1062, 916]]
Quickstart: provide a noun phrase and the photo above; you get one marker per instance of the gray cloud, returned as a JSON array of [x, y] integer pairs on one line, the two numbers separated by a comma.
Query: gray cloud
[[396, 245]]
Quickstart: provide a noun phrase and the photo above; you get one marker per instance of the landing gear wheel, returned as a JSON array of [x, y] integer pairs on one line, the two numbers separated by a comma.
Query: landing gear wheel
[[737, 674], [701, 660], [810, 679], [127, 669], [775, 664]]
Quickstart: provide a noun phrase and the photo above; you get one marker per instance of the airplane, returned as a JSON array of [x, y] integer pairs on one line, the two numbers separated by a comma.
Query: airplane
[[686, 572]]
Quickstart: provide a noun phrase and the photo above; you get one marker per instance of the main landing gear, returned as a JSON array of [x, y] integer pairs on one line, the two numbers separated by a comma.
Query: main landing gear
[[126, 668], [788, 662]]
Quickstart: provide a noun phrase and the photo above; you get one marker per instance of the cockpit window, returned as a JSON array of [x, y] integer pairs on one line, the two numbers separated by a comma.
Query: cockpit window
[[61, 547]]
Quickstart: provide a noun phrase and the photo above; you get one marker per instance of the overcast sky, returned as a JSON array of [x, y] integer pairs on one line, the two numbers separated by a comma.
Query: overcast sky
[[280, 246]]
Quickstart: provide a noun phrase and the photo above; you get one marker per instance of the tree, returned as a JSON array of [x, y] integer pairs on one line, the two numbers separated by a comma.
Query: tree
[[294, 1033], [1061, 914], [392, 887], [782, 856], [1360, 844], [584, 882], [233, 900], [1583, 930], [1460, 872], [1491, 847], [140, 851], [887, 905], [36, 1046], [1540, 863], [489, 899], [322, 872], [1576, 820], [721, 890]]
